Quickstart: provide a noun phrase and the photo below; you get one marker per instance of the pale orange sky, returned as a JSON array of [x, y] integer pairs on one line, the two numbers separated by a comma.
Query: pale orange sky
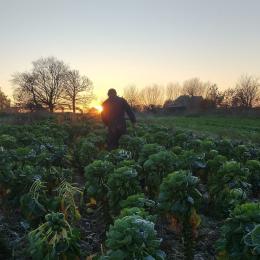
[[117, 43]]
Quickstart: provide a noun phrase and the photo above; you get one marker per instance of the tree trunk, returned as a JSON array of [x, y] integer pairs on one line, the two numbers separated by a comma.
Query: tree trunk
[[74, 105], [51, 107]]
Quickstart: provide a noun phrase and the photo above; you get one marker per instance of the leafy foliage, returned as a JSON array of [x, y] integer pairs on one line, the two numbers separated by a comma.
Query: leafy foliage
[[53, 239], [254, 175], [225, 147], [242, 153], [147, 150], [180, 139], [207, 145], [215, 162], [156, 168], [137, 200], [240, 234], [122, 183], [132, 237], [179, 199], [32, 203], [163, 138], [38, 161], [179, 194], [7, 141], [252, 240], [229, 187], [133, 144], [98, 138], [118, 155], [190, 160], [137, 204], [96, 175], [135, 211], [67, 193], [85, 152]]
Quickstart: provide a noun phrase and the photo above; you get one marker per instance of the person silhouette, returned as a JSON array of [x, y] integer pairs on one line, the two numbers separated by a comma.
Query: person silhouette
[[113, 116]]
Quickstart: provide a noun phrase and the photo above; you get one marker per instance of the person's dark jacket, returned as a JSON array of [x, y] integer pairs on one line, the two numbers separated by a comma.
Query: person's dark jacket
[[114, 109]]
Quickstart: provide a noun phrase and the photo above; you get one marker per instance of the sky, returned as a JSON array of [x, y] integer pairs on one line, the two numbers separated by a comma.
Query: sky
[[117, 43]]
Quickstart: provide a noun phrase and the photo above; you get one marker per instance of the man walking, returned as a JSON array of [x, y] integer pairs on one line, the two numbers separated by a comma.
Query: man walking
[[113, 116]]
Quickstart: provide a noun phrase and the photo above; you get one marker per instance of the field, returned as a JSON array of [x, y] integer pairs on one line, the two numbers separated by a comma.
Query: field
[[176, 188], [235, 127]]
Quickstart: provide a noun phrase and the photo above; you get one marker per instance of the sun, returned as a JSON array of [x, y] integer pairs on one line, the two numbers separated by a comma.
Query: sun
[[99, 108]]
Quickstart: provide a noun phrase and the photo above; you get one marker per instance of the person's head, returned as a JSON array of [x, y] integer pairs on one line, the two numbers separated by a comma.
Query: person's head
[[111, 92]]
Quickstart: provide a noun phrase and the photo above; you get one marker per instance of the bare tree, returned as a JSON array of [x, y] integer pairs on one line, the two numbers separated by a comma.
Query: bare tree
[[213, 95], [173, 90], [152, 95], [78, 90], [25, 92], [131, 94], [229, 99], [4, 101], [45, 84], [193, 87], [257, 101], [247, 91]]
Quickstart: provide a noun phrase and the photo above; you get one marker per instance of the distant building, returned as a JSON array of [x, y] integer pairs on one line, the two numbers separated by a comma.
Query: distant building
[[184, 103]]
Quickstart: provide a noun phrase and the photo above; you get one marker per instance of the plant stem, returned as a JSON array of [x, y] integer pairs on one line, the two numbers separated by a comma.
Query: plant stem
[[188, 240]]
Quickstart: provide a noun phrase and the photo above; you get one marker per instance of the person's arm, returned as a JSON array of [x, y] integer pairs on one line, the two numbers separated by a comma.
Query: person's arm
[[129, 112]]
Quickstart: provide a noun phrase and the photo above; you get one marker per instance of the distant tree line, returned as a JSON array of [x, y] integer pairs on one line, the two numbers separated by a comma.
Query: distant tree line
[[244, 95], [51, 84]]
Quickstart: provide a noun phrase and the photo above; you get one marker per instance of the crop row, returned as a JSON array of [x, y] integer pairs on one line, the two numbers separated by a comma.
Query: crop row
[[156, 173]]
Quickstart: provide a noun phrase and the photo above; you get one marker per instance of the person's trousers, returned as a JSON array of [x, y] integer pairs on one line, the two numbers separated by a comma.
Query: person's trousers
[[114, 134]]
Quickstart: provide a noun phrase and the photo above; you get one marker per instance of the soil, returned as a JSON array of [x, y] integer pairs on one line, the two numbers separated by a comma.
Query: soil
[[208, 233]]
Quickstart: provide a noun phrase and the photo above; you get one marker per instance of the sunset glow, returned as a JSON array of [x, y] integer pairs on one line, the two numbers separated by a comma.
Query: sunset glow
[[99, 108]]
